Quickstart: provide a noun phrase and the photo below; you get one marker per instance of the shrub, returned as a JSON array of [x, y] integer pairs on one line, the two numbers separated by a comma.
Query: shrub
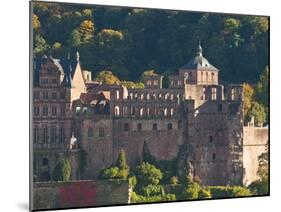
[[174, 180], [192, 190], [148, 174], [153, 190], [110, 173], [62, 171], [204, 194]]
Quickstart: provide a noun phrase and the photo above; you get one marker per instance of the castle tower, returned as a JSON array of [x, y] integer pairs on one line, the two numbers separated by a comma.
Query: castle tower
[[198, 70]]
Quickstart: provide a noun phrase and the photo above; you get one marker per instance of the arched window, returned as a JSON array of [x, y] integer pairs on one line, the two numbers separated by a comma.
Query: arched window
[[147, 96], [213, 76], [170, 126], [141, 96], [45, 162], [141, 111], [90, 132], [165, 111], [172, 111], [147, 111], [116, 110]]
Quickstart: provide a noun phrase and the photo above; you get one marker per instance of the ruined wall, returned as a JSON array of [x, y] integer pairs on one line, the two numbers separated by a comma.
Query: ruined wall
[[98, 146], [213, 145], [255, 141], [163, 142], [79, 194]]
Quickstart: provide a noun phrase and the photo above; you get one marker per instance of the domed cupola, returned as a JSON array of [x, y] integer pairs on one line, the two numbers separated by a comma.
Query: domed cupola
[[199, 62], [198, 70]]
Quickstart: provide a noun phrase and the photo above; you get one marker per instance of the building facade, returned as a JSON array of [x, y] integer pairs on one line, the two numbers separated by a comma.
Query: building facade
[[195, 120]]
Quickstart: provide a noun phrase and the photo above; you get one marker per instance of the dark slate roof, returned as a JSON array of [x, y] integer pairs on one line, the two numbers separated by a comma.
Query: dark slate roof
[[199, 62]]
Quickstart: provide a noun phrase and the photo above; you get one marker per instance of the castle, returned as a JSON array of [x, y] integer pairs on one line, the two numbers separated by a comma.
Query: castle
[[195, 119]]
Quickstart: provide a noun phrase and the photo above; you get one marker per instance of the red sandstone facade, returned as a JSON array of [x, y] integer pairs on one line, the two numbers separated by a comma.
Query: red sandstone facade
[[196, 120]]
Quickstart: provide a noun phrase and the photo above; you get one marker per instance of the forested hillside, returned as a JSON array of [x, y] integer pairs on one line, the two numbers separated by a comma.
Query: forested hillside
[[128, 41]]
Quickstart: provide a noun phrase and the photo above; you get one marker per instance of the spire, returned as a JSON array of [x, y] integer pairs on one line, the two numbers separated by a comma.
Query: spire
[[199, 49], [77, 56]]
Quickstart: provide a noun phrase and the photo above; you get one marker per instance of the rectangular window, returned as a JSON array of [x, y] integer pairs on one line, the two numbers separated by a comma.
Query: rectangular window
[[139, 127], [210, 139], [214, 156], [126, 127], [62, 111], [214, 93], [53, 135], [62, 95], [219, 107], [36, 95], [45, 95], [45, 135], [154, 127], [54, 111], [36, 111], [54, 95], [36, 135], [45, 110], [62, 135], [101, 132]]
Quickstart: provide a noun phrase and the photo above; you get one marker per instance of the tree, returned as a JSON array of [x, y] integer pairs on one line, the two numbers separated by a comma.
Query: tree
[[192, 190], [35, 22], [86, 30], [75, 38], [258, 112], [121, 161], [262, 90], [110, 173], [62, 171], [263, 166], [40, 45], [248, 92], [148, 174], [107, 77]]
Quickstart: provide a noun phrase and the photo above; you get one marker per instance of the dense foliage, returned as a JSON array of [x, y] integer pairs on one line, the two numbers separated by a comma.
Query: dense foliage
[[62, 170], [128, 41], [119, 171]]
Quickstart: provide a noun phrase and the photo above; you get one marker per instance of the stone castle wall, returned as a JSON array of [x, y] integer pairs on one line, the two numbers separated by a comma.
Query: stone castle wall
[[255, 142], [59, 195]]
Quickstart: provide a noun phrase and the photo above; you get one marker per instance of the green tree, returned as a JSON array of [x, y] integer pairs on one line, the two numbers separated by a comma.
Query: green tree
[[107, 77], [62, 171], [248, 92], [40, 45], [121, 161], [75, 38], [86, 30], [258, 112], [148, 174], [263, 166], [262, 90], [192, 190]]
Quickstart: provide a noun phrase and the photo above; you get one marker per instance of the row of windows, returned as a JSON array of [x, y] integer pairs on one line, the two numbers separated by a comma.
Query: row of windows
[[45, 111], [48, 135], [154, 96], [143, 111], [47, 81], [100, 132], [155, 127], [152, 82], [46, 95]]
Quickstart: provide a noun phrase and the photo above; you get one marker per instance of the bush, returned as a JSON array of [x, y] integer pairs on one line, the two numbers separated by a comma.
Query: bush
[[204, 194], [153, 190], [174, 180], [135, 198], [62, 171], [259, 187], [110, 173], [133, 181], [229, 191], [192, 190], [148, 174]]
